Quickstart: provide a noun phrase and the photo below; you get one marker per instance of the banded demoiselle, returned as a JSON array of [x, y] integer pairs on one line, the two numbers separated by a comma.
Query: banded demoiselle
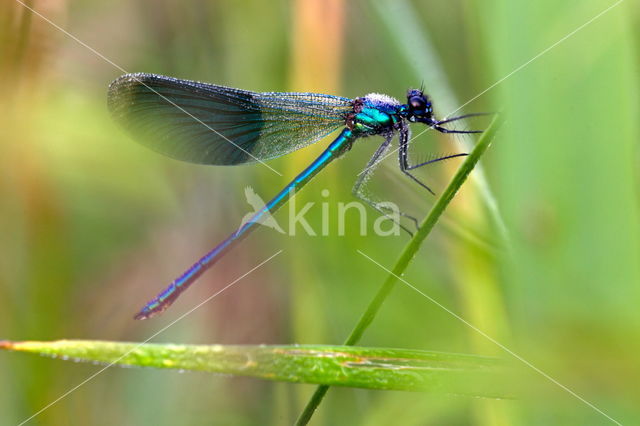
[[209, 124]]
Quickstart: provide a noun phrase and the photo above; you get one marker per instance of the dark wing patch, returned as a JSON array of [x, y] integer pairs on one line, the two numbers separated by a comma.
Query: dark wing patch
[[209, 124]]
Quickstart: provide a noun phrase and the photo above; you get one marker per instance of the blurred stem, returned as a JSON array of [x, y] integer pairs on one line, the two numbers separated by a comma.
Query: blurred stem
[[316, 61], [317, 40], [413, 42], [474, 272], [24, 29], [407, 255]]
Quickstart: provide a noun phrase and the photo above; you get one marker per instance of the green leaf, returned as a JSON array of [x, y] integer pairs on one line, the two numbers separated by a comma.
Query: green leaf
[[370, 368]]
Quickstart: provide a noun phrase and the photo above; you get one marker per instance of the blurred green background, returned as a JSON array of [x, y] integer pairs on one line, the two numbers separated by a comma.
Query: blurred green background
[[93, 224]]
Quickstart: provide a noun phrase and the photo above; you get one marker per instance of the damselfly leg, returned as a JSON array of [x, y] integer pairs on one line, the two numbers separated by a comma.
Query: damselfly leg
[[363, 177]]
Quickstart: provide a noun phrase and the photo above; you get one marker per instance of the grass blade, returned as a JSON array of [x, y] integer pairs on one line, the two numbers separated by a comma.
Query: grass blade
[[370, 368]]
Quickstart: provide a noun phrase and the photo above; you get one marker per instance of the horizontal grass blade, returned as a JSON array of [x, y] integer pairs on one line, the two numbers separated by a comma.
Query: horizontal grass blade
[[370, 368]]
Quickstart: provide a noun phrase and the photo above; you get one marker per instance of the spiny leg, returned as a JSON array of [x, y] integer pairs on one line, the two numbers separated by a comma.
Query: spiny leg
[[437, 124], [403, 157], [363, 177], [435, 160], [460, 117], [443, 130], [403, 153]]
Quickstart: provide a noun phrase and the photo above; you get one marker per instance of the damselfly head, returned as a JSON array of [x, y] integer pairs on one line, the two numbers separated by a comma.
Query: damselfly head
[[419, 107], [419, 110]]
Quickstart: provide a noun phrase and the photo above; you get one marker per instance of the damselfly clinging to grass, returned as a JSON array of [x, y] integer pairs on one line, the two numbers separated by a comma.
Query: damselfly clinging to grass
[[209, 124]]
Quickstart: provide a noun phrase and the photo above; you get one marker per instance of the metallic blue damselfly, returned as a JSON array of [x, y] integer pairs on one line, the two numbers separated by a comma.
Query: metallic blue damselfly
[[209, 124]]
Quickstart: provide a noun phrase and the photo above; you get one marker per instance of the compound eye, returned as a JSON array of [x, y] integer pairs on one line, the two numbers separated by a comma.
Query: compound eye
[[417, 103]]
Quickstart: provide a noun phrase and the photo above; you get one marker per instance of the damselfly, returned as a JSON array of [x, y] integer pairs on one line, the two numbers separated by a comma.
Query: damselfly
[[209, 124]]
